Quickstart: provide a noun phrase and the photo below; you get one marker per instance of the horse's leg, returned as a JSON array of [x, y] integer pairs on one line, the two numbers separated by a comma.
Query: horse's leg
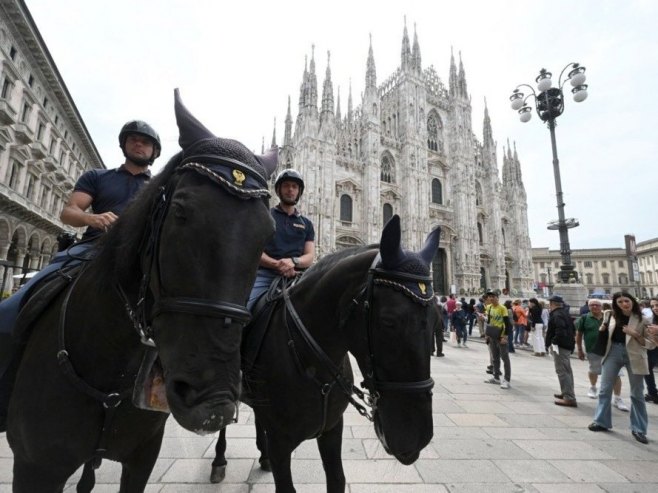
[[261, 444], [136, 469], [330, 445], [218, 470], [29, 478], [279, 453]]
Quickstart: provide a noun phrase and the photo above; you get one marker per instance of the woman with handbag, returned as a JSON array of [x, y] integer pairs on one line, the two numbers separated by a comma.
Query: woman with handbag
[[626, 347]]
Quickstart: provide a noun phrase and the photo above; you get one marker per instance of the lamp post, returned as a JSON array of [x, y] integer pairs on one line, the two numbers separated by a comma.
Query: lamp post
[[549, 104]]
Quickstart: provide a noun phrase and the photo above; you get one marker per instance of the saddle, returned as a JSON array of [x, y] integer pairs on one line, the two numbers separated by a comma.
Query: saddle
[[40, 297]]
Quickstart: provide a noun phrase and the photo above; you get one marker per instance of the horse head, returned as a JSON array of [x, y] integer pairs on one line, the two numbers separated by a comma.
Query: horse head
[[210, 226], [396, 369]]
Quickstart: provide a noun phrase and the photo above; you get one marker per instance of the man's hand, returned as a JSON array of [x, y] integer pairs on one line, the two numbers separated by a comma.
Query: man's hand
[[285, 267], [581, 354], [101, 221]]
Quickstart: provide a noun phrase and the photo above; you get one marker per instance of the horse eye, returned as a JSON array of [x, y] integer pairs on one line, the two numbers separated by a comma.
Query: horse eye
[[178, 210]]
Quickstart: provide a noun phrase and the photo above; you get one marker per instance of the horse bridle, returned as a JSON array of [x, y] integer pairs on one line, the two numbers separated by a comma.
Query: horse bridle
[[140, 316], [372, 384]]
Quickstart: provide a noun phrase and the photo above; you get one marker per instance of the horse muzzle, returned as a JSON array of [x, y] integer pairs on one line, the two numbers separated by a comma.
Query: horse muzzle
[[406, 454], [201, 413]]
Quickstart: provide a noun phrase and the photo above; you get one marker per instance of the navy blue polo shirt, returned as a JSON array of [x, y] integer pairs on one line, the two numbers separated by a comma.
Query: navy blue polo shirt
[[111, 191], [292, 233]]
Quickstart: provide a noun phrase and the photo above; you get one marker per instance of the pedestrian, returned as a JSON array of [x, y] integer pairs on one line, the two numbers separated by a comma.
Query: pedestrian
[[450, 306], [472, 315], [445, 316], [520, 318], [510, 315], [587, 329], [652, 355], [627, 339], [498, 332], [459, 324], [437, 330], [538, 325], [560, 341]]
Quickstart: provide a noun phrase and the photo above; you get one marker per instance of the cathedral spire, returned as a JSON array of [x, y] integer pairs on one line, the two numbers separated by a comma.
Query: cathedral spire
[[303, 86], [415, 54], [262, 146], [371, 73], [406, 49], [487, 133], [453, 75], [313, 81], [517, 168], [287, 136], [273, 145], [338, 115], [350, 113], [462, 78], [328, 90]]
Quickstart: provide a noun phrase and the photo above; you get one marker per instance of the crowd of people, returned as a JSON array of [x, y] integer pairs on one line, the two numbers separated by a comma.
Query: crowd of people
[[617, 339]]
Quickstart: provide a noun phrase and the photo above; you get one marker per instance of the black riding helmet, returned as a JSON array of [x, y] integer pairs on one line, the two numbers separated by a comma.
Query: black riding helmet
[[141, 128], [290, 175]]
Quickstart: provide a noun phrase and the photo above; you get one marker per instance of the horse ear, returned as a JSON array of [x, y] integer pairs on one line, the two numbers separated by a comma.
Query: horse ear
[[190, 129], [269, 160], [431, 244], [389, 246]]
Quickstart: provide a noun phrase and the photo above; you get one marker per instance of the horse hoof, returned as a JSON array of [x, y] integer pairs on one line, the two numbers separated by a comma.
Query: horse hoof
[[265, 464], [217, 474]]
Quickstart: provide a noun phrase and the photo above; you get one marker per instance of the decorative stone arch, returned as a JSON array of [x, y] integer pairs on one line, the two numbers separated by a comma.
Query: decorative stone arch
[[387, 212], [46, 252], [347, 241], [387, 168], [5, 238], [346, 208], [479, 196]]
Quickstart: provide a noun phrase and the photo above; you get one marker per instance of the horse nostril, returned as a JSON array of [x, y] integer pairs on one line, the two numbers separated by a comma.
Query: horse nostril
[[185, 392]]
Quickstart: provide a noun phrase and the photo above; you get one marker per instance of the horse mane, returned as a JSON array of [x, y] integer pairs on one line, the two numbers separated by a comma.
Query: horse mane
[[118, 255], [327, 262]]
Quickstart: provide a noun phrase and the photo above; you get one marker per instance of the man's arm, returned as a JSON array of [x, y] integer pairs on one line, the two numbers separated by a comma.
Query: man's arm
[[306, 260], [74, 213]]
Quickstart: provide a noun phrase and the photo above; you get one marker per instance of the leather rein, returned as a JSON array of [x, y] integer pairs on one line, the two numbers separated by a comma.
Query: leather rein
[[372, 385]]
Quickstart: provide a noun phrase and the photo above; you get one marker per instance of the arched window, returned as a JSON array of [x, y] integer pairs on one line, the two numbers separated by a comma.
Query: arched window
[[502, 231], [606, 278], [387, 173], [480, 235], [623, 279], [478, 194], [388, 212], [437, 191], [434, 132], [590, 278], [346, 208]]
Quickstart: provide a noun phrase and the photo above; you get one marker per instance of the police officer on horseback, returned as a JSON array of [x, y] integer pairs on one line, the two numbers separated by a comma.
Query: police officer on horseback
[[107, 192], [293, 246]]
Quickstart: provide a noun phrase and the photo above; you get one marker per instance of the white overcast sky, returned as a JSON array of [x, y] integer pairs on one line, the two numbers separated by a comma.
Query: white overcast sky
[[237, 62]]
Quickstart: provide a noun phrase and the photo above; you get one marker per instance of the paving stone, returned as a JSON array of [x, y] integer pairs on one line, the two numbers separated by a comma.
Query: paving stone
[[531, 471], [459, 471], [588, 471], [476, 420], [568, 488], [636, 471], [479, 449], [558, 449]]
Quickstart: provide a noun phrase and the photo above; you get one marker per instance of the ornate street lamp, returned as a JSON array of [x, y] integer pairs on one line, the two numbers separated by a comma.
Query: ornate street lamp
[[549, 104]]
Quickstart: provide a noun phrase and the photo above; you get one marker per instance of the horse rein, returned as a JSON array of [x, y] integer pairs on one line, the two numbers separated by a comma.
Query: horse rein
[[230, 312], [372, 385]]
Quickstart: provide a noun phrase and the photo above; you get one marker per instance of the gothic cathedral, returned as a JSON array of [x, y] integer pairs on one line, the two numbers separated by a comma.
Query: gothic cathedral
[[409, 149]]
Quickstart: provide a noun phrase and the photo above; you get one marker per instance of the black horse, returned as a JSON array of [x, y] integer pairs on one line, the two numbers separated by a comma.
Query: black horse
[[376, 303], [174, 271]]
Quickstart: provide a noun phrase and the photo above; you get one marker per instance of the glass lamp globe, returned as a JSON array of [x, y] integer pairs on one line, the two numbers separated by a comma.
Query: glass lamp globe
[[544, 84], [517, 101], [525, 114], [579, 93], [577, 76]]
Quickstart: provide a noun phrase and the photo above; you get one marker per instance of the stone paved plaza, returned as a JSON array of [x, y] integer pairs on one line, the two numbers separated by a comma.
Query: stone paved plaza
[[486, 439]]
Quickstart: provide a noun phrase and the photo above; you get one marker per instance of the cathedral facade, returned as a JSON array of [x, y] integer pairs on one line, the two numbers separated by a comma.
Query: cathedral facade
[[409, 149]]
